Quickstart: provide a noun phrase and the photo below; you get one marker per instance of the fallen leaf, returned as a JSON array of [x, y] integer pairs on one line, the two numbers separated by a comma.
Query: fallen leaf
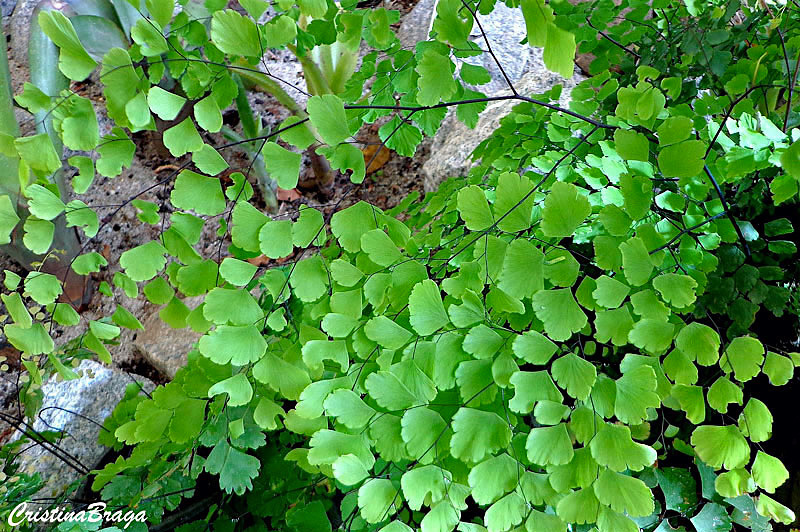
[[375, 162], [261, 260], [288, 195]]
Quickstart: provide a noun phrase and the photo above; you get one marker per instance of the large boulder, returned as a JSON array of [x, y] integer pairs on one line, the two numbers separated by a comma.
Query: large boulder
[[77, 408], [504, 28]]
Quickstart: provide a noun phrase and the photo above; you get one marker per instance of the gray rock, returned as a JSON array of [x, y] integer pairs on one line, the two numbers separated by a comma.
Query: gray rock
[[7, 7], [162, 346], [454, 142], [504, 28], [19, 28], [69, 406], [416, 25]]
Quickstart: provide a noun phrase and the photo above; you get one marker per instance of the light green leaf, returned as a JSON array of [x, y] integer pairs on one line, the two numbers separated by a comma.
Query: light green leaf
[[477, 434], [235, 34], [769, 507], [692, 402], [560, 313], [755, 421], [164, 104], [425, 484], [613, 447], [474, 208], [768, 472], [744, 356], [198, 193], [685, 159], [610, 293], [238, 345], [778, 368], [676, 289], [233, 307], [631, 146], [275, 238], [635, 394], [378, 500], [636, 263], [493, 478], [379, 247], [575, 375], [531, 387], [549, 445], [349, 470], [559, 51], [142, 263], [181, 139], [282, 165], [790, 160], [73, 60], [150, 38], [38, 235], [523, 269], [237, 387], [721, 446], [699, 342], [348, 408], [8, 219], [88, 263], [506, 513], [208, 160], [653, 336], [34, 340], [722, 393], [328, 117], [624, 494], [38, 152], [237, 272], [565, 208], [387, 332], [42, 203], [734, 483], [426, 307], [436, 82], [308, 227]]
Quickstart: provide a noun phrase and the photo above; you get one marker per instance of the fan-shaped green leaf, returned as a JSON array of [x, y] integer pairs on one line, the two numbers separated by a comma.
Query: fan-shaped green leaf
[[239, 345], [560, 313], [744, 356], [565, 208], [635, 394], [426, 307], [237, 387], [624, 494], [549, 445], [477, 433], [721, 446], [575, 375]]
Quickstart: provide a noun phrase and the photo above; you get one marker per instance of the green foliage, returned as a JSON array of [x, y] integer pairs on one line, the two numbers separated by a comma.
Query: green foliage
[[536, 345]]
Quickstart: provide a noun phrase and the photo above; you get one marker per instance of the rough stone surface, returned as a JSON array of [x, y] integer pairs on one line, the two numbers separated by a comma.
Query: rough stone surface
[[454, 142], [66, 406], [7, 7], [18, 28], [162, 346], [504, 28], [416, 25]]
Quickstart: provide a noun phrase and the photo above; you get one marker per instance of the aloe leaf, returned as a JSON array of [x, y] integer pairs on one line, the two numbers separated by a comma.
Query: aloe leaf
[[9, 183], [99, 35]]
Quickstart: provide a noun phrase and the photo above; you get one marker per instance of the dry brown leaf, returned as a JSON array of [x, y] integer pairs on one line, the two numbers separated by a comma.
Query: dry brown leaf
[[288, 195], [375, 162]]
